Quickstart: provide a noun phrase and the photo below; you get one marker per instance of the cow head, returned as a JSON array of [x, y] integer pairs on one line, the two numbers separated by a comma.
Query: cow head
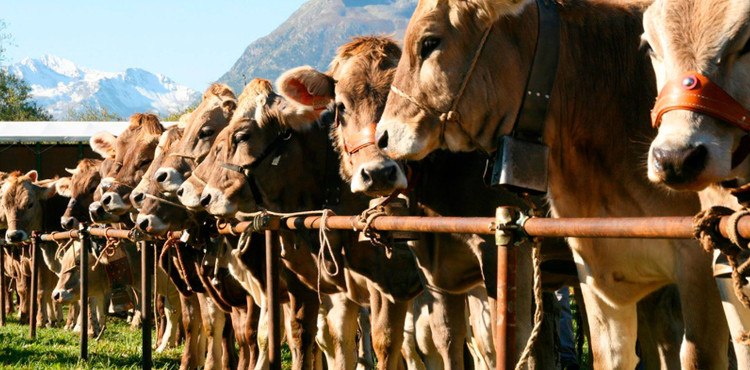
[[441, 40], [134, 152], [22, 203], [358, 83], [80, 188], [258, 127], [687, 39], [158, 209], [68, 285], [201, 127]]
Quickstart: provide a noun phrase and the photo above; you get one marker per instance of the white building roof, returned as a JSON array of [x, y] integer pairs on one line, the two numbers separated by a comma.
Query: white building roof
[[58, 132]]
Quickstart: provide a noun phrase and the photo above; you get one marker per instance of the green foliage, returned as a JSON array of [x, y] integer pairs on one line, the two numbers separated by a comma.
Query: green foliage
[[89, 113], [15, 101], [174, 117]]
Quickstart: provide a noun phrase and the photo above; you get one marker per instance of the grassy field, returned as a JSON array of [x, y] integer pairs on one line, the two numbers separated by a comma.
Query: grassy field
[[119, 348]]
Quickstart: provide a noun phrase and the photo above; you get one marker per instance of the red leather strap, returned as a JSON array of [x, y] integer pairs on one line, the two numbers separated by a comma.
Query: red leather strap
[[361, 139], [697, 93]]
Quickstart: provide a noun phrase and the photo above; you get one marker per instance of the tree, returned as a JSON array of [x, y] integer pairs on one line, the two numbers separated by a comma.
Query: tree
[[15, 101], [174, 117], [90, 113]]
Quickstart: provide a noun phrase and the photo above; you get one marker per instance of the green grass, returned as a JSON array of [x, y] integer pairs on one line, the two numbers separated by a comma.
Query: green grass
[[54, 348]]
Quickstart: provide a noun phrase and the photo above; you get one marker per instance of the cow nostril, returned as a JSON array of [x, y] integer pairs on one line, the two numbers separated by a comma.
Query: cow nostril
[[383, 140], [205, 200], [366, 178], [143, 225], [161, 177], [56, 296], [390, 173], [696, 158], [179, 192], [139, 197], [107, 199]]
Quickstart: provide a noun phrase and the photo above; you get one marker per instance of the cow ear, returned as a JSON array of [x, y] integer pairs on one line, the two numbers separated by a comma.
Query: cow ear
[[307, 86], [48, 189], [33, 175], [103, 143], [63, 187], [229, 106]]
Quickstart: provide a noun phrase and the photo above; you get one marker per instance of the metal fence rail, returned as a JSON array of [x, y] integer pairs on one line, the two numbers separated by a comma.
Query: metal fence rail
[[508, 225]]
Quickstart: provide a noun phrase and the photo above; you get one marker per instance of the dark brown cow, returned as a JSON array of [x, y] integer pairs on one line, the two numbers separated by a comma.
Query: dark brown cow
[[80, 189], [594, 168]]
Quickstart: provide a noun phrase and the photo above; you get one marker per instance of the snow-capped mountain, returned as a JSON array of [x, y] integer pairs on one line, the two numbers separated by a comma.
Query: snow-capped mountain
[[60, 86], [313, 33]]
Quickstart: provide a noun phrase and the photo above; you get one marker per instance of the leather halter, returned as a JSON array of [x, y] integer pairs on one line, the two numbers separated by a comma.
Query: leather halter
[[247, 170], [360, 140], [452, 115], [695, 92]]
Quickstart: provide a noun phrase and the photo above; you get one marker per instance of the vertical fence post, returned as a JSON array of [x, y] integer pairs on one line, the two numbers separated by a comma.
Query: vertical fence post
[[146, 314], [3, 285], [34, 304], [506, 219], [272, 295], [85, 239]]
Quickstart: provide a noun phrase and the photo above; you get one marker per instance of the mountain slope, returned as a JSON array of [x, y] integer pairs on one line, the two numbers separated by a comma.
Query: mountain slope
[[314, 32], [60, 86]]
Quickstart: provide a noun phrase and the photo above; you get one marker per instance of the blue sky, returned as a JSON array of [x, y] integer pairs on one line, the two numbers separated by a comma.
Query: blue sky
[[192, 42]]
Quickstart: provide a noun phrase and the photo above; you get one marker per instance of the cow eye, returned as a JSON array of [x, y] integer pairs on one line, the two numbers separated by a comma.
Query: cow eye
[[28, 205], [241, 136], [206, 132], [144, 162], [745, 49], [428, 45]]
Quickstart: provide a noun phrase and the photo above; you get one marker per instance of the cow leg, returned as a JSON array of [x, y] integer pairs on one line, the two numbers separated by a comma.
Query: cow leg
[[194, 352], [339, 340], [70, 323], [303, 315], [213, 327], [448, 327], [365, 357], [239, 318], [738, 318], [387, 322], [660, 329], [479, 323], [409, 348], [251, 332], [613, 332], [229, 352], [171, 331]]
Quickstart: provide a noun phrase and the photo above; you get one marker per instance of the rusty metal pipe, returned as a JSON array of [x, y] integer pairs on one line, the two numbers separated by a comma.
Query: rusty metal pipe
[[3, 286], [272, 295], [146, 315], [622, 227], [35, 240], [84, 302]]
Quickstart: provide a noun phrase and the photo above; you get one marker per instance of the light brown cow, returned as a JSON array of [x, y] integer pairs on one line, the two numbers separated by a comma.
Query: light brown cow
[[594, 169], [695, 149], [134, 151], [67, 290], [24, 202]]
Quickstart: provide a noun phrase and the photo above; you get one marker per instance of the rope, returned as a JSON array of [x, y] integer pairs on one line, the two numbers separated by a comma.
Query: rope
[[166, 201], [325, 244], [706, 224], [539, 309], [61, 248], [109, 248]]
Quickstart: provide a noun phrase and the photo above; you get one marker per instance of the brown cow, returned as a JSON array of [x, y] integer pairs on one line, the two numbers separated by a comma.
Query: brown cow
[[29, 205], [80, 188], [134, 151], [703, 148], [600, 79], [269, 137]]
